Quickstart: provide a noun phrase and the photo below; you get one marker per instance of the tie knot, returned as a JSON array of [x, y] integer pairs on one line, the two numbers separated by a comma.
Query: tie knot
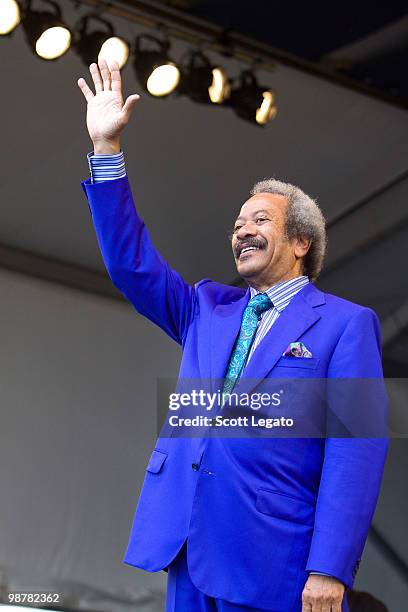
[[260, 302]]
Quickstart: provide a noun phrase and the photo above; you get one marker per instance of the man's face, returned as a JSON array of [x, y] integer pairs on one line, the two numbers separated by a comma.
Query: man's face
[[262, 253]]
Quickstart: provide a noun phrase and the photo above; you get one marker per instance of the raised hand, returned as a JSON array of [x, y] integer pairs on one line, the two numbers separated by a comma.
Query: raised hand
[[107, 115]]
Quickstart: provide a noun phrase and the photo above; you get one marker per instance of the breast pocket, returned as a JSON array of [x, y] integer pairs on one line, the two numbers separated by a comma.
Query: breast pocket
[[310, 363]]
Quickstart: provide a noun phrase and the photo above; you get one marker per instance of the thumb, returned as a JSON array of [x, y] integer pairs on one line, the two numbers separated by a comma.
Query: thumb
[[129, 105]]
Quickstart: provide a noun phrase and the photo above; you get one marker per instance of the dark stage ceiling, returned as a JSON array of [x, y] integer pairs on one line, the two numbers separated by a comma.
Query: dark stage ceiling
[[368, 43]]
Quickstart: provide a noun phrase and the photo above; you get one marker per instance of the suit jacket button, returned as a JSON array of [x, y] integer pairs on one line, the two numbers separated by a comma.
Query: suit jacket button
[[195, 466]]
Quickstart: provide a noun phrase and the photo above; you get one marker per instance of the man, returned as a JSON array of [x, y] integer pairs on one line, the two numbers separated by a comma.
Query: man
[[241, 523]]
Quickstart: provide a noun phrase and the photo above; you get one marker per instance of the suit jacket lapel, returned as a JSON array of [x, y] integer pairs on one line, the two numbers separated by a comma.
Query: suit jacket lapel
[[297, 317], [225, 325]]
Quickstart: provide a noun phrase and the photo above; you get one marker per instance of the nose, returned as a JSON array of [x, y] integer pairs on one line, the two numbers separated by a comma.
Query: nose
[[247, 229]]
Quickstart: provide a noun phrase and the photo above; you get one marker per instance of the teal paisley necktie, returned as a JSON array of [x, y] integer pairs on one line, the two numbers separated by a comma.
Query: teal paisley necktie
[[252, 313]]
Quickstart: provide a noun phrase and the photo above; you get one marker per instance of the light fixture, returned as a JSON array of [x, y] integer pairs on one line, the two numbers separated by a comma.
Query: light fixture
[[267, 110], [156, 72], [220, 88], [45, 31], [9, 16], [101, 43], [252, 101], [203, 82], [115, 48]]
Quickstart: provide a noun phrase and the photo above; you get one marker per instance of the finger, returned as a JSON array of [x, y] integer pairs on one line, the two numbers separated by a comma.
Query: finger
[[129, 105], [96, 76], [82, 84], [336, 607], [115, 75], [306, 607], [105, 72]]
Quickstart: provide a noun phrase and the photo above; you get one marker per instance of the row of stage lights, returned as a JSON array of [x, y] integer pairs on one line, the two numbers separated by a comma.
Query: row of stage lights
[[50, 38]]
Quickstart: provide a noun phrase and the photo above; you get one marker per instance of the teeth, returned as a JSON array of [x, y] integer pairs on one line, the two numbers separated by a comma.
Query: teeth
[[248, 249]]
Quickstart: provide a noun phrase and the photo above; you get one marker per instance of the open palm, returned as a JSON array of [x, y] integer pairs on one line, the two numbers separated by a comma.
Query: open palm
[[107, 115]]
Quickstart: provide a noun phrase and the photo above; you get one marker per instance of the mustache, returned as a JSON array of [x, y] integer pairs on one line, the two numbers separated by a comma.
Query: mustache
[[248, 242]]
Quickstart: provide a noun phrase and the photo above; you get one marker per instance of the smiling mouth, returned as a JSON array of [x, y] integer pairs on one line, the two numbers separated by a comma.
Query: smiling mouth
[[247, 251]]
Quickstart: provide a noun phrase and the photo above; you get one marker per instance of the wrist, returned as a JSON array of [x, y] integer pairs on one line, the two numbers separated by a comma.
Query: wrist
[[106, 147]]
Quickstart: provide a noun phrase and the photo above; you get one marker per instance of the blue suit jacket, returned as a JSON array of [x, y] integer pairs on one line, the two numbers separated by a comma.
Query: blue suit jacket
[[259, 513]]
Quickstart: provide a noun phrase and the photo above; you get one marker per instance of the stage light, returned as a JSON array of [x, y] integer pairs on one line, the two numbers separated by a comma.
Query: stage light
[[252, 101], [45, 31], [267, 110], [203, 82], [156, 72], [220, 88], [9, 16], [115, 48], [101, 43], [53, 43], [163, 79]]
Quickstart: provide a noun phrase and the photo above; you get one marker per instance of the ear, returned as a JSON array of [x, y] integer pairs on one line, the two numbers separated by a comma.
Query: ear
[[302, 245]]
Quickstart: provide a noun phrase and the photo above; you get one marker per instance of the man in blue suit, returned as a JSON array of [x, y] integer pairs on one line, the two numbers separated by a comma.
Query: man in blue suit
[[244, 523]]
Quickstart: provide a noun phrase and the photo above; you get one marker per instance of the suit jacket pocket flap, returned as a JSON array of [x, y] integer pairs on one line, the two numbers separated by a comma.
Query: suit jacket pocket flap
[[156, 461], [285, 507]]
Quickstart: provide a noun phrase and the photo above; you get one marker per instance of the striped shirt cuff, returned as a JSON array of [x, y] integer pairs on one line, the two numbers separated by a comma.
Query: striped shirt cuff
[[106, 167]]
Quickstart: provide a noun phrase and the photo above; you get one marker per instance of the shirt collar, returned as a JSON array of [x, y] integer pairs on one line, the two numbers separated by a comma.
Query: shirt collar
[[282, 293]]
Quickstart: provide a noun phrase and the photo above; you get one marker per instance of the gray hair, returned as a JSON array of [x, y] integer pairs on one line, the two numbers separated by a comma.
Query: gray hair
[[304, 219]]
